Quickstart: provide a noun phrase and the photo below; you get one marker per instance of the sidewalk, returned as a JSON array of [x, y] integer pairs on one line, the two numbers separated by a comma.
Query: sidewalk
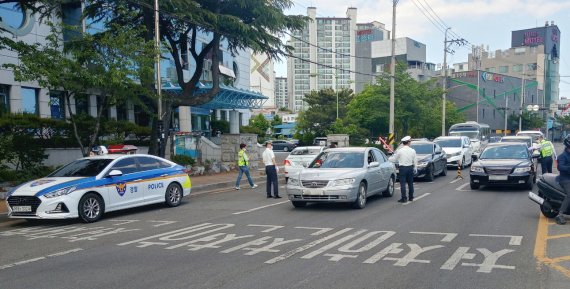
[[204, 183]]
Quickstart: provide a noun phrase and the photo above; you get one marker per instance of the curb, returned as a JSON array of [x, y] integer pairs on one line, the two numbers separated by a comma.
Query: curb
[[229, 184]]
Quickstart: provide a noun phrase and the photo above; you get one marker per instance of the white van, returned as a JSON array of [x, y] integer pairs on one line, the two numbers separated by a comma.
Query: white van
[[532, 133]]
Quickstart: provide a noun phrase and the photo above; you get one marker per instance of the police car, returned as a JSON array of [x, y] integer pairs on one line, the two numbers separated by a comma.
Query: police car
[[91, 186]]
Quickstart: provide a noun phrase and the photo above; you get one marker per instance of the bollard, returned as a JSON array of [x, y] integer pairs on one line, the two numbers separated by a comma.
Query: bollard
[[459, 176]]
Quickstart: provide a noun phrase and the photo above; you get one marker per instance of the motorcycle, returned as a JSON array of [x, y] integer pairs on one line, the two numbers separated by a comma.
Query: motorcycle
[[550, 195]]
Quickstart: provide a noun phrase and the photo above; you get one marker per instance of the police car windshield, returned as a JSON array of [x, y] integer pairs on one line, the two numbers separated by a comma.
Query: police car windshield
[[82, 168]]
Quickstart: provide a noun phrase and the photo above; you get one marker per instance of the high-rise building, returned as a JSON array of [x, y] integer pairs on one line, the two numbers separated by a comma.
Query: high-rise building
[[534, 55], [322, 56], [281, 95]]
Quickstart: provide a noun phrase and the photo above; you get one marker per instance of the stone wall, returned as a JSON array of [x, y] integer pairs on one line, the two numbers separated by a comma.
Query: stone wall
[[230, 148]]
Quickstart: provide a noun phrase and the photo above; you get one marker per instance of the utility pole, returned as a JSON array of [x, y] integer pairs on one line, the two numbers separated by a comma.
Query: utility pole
[[506, 114], [158, 79], [446, 45], [522, 98], [393, 69], [477, 57]]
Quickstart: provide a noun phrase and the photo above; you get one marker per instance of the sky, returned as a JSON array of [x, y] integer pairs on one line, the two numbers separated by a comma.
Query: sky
[[486, 22]]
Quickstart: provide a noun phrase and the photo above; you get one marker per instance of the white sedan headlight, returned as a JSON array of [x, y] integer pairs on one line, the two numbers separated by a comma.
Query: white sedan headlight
[[522, 170], [342, 182], [60, 192], [477, 169], [294, 182]]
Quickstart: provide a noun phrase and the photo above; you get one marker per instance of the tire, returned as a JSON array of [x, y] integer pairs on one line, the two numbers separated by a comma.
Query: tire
[[360, 201], [389, 192], [173, 195], [91, 208], [429, 175], [474, 186], [444, 170], [286, 180], [529, 184], [463, 165], [285, 149], [548, 212], [299, 204]]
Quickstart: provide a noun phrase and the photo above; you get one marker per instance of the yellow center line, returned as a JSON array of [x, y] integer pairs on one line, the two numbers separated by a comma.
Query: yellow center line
[[561, 259], [558, 236]]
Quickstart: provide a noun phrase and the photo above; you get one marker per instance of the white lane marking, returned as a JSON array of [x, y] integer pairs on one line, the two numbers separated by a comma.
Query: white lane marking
[[23, 262], [162, 223], [271, 227], [456, 180], [188, 229], [460, 188], [123, 222], [396, 188], [514, 240], [448, 236], [318, 232], [259, 208], [417, 198]]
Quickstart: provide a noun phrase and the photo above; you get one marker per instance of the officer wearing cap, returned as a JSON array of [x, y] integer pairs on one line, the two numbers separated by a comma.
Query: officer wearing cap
[[547, 153], [271, 171], [405, 157]]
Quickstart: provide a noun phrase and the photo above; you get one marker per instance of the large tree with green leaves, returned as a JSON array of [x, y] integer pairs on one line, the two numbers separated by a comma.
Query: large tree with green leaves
[[106, 65], [417, 107], [319, 118]]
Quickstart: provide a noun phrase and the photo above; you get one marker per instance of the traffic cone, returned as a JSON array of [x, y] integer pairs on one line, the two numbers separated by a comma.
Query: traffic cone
[[459, 176]]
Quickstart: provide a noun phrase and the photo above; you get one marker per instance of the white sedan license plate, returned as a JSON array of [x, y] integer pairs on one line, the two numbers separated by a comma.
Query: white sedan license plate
[[498, 177], [22, 209], [312, 192]]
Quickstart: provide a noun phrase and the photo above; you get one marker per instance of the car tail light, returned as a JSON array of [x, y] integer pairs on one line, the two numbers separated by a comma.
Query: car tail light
[[286, 163]]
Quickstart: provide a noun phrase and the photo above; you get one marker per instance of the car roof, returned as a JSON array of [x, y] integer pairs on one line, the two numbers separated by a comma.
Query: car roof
[[308, 148], [517, 137], [116, 156], [422, 142], [498, 144], [348, 149], [451, 137], [529, 132]]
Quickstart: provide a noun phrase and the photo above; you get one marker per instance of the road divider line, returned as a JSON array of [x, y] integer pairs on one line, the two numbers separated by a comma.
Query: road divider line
[[460, 188], [259, 208], [541, 248], [417, 198], [455, 181], [28, 261]]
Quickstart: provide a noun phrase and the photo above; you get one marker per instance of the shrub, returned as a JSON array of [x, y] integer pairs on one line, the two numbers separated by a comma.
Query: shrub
[[183, 160]]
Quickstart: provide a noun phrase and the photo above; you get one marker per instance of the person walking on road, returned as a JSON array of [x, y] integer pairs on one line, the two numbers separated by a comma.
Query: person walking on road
[[271, 170], [547, 153], [243, 164], [564, 180], [405, 157]]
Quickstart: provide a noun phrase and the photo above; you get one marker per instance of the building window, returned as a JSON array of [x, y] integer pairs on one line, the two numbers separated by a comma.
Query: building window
[[30, 100], [82, 104], [483, 113], [4, 99], [491, 69], [503, 69], [57, 104], [494, 93], [71, 17], [122, 112], [517, 68], [494, 114], [103, 105]]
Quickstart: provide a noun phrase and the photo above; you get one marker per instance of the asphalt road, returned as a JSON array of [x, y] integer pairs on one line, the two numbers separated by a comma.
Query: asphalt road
[[450, 237]]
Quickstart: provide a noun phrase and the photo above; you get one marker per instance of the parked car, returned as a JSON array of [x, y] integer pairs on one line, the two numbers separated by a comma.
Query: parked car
[[503, 163], [347, 175], [89, 187], [432, 160], [458, 149], [300, 157], [533, 133], [283, 145]]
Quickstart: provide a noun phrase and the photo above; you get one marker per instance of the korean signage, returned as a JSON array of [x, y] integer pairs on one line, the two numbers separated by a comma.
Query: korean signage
[[549, 36], [485, 76]]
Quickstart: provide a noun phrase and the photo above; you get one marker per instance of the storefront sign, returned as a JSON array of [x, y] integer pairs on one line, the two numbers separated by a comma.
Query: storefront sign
[[486, 76]]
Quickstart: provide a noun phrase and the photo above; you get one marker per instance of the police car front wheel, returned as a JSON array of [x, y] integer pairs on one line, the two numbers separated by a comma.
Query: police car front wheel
[[173, 195], [91, 208]]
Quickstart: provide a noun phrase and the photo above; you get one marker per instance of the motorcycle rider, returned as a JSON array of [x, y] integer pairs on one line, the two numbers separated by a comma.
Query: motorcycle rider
[[564, 180]]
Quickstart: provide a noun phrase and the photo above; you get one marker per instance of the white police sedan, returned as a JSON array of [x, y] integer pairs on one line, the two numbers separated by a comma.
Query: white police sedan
[[91, 186]]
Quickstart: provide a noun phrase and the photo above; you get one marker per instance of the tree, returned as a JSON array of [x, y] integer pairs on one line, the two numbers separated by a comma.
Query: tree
[[530, 121], [276, 120], [417, 107], [321, 114], [106, 65], [260, 123]]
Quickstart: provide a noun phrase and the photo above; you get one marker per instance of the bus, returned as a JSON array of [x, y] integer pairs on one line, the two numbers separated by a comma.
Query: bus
[[478, 133]]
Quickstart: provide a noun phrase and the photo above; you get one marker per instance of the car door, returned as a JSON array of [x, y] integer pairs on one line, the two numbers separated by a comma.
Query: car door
[[439, 160], [277, 145], [373, 174], [385, 169], [154, 179], [468, 150], [124, 190]]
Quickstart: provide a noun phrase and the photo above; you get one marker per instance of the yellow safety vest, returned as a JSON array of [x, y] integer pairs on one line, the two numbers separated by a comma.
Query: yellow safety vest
[[241, 158], [546, 148]]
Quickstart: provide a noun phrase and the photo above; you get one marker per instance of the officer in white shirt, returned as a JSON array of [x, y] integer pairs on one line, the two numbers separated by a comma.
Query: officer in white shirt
[[405, 157], [271, 170]]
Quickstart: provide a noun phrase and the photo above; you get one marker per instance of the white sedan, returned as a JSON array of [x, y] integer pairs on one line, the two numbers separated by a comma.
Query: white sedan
[[91, 186], [300, 157]]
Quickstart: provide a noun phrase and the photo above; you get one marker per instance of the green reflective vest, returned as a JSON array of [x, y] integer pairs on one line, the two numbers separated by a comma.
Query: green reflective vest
[[242, 158], [546, 148]]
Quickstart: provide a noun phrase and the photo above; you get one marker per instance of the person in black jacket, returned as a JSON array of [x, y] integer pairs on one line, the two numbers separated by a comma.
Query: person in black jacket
[[564, 179]]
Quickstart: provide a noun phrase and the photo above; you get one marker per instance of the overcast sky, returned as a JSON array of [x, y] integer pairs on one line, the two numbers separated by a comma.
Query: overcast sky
[[484, 22]]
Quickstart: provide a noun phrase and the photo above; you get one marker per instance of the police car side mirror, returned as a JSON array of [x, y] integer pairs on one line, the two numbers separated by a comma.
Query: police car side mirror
[[115, 173]]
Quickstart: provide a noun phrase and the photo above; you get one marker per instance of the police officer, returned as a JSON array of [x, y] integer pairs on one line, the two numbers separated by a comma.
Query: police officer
[[564, 180], [547, 152], [407, 161]]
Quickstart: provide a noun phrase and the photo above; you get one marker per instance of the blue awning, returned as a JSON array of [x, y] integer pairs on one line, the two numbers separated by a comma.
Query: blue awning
[[228, 97]]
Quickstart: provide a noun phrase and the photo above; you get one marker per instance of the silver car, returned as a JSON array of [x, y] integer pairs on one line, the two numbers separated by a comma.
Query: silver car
[[346, 175], [300, 157]]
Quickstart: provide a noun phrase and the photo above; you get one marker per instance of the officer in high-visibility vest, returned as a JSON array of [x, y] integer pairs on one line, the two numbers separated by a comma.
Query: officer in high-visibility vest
[[547, 153]]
